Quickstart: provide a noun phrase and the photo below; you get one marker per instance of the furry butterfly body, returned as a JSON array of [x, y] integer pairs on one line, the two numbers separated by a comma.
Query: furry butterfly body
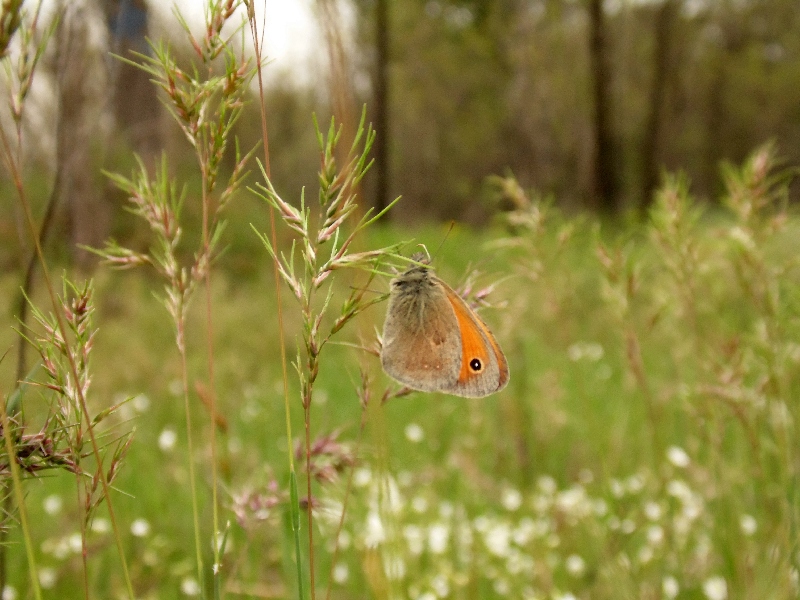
[[434, 342]]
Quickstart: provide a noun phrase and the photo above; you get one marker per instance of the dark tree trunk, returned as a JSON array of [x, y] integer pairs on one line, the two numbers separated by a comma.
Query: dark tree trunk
[[381, 105], [136, 107], [661, 69], [605, 177]]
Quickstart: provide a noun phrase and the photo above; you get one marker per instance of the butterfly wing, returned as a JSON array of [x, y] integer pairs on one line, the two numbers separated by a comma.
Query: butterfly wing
[[421, 340], [483, 367]]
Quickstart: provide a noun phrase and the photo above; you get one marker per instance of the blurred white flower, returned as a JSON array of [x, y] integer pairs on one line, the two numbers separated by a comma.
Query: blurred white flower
[[167, 439], [591, 351], [414, 433], [617, 489], [715, 588], [634, 484], [627, 526], [419, 504], [362, 477], [512, 499], [414, 538], [340, 573], [47, 577], [427, 596], [101, 525], [547, 484], [445, 509], [190, 586], [497, 539], [75, 543], [652, 510], [565, 596], [523, 532], [678, 457], [440, 586], [175, 387], [574, 501], [655, 535], [375, 533], [670, 587], [141, 403], [140, 528], [748, 524], [576, 566], [52, 504], [9, 593], [501, 586], [438, 536], [645, 555]]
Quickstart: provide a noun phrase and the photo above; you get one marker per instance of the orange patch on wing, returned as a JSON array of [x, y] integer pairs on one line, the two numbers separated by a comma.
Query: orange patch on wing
[[472, 343]]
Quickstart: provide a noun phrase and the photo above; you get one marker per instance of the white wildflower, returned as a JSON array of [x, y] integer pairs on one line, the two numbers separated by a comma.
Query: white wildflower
[[414, 538], [167, 439], [140, 528], [652, 510], [501, 586], [52, 504], [101, 525], [634, 484], [655, 535], [419, 504], [748, 524], [497, 539], [512, 499], [438, 536], [678, 457], [9, 593], [47, 577], [576, 566], [670, 587], [190, 586], [600, 507], [414, 433], [523, 532], [440, 586], [627, 526], [645, 555], [362, 477], [547, 485], [340, 573], [141, 403], [375, 534], [715, 588]]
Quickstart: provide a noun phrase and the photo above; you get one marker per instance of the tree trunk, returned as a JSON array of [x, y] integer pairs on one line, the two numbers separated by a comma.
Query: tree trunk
[[382, 125], [136, 107], [81, 127], [661, 67], [605, 176]]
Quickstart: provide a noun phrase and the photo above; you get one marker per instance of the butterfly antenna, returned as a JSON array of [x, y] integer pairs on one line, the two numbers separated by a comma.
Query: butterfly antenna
[[446, 235]]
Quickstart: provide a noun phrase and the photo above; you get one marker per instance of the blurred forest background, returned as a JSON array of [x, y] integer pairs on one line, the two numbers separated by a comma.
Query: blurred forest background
[[585, 100]]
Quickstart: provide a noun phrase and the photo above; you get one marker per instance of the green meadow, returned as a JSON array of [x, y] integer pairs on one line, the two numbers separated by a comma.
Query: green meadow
[[645, 446], [201, 412]]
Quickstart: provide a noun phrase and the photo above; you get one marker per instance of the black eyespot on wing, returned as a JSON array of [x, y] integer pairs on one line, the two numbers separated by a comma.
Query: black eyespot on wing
[[476, 365]]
